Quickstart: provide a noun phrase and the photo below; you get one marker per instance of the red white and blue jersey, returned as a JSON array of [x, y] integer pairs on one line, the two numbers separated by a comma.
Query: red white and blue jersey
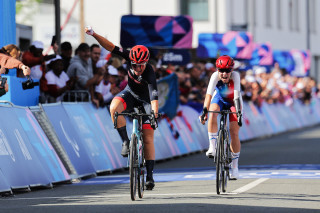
[[224, 90]]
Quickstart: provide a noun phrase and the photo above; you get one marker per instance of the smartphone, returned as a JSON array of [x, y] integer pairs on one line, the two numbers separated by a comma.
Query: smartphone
[[54, 38]]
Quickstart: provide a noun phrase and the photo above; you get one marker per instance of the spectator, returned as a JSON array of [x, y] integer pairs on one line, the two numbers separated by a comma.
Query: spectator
[[35, 60], [66, 54], [95, 80], [58, 81], [123, 77], [108, 88], [95, 52], [9, 56], [81, 67]]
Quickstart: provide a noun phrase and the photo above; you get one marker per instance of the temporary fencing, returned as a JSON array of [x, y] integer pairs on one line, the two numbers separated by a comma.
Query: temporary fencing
[[82, 142]]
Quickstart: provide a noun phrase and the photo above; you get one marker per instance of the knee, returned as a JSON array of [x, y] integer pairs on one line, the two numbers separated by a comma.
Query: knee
[[213, 117], [148, 139], [114, 108], [234, 133]]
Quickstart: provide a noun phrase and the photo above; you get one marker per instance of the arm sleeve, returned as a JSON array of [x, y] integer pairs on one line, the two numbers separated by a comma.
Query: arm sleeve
[[121, 52], [236, 80], [152, 84], [237, 88], [212, 83]]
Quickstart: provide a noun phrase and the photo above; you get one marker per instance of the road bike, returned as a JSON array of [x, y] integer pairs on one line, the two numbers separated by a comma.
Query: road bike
[[223, 156], [136, 161]]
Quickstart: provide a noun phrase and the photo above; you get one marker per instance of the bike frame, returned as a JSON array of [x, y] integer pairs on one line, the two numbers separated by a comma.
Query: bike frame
[[137, 130]]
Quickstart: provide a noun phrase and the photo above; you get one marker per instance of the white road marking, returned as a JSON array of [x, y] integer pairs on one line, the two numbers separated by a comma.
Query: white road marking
[[249, 186], [237, 191]]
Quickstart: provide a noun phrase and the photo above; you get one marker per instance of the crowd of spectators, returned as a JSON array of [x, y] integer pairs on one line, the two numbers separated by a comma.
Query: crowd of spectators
[[101, 75]]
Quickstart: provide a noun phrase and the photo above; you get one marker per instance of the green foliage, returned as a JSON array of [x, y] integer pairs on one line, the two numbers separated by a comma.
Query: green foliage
[[25, 3]]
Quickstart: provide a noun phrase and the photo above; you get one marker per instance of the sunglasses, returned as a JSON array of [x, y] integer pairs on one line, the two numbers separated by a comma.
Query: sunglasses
[[225, 70], [135, 66]]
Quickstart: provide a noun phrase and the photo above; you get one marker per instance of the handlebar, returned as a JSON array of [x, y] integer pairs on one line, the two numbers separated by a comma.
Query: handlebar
[[135, 115], [239, 115]]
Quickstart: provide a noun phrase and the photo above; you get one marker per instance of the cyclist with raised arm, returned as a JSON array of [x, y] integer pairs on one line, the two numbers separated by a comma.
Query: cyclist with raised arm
[[223, 93], [140, 91]]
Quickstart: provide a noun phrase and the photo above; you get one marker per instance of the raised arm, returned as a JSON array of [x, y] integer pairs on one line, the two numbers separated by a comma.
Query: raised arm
[[108, 45]]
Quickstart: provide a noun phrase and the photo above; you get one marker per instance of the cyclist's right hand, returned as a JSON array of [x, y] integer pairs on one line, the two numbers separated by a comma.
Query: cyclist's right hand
[[204, 116], [89, 30]]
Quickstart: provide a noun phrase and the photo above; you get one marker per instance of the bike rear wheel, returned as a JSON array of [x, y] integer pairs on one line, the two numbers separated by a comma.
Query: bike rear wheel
[[133, 167], [219, 166], [141, 174]]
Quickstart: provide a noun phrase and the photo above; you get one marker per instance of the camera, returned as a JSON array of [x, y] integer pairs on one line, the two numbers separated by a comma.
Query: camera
[[29, 84], [3, 82]]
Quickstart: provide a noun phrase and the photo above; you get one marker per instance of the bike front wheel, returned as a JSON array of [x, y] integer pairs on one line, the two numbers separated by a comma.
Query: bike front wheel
[[133, 167], [225, 165], [219, 163]]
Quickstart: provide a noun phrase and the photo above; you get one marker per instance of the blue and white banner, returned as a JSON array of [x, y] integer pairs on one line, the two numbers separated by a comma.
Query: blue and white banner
[[108, 136], [42, 146], [18, 160], [90, 137], [70, 139], [4, 184]]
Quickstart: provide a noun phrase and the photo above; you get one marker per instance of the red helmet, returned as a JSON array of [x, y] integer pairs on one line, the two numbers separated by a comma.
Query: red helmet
[[139, 54], [225, 62]]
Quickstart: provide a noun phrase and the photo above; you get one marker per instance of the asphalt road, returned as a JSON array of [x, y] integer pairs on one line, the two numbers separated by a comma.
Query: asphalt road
[[277, 174]]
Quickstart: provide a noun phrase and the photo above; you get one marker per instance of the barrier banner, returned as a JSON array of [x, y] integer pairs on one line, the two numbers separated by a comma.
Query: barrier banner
[[170, 136], [247, 115], [168, 89], [4, 184], [287, 116], [304, 113], [192, 118], [92, 140], [181, 139], [18, 160], [42, 146], [186, 134], [108, 135], [70, 139], [155, 31], [162, 148], [238, 45]]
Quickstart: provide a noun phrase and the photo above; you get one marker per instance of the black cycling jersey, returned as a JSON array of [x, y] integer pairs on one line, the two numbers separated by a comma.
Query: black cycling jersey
[[140, 85]]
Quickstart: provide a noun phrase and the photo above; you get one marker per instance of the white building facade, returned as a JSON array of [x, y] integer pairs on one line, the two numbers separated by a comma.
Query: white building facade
[[286, 24]]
